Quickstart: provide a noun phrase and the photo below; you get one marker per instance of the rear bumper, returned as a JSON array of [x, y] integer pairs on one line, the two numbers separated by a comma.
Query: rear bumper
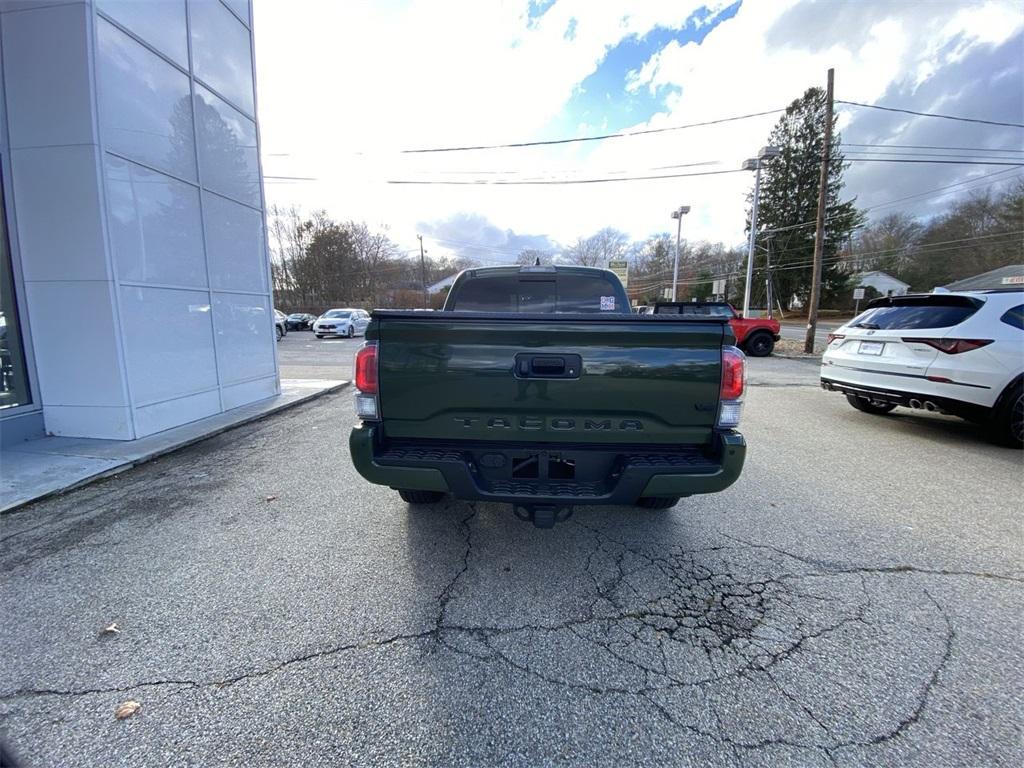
[[858, 374], [907, 399], [632, 472]]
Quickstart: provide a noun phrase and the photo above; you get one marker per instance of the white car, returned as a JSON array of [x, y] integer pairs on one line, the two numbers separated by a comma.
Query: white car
[[341, 322], [956, 353]]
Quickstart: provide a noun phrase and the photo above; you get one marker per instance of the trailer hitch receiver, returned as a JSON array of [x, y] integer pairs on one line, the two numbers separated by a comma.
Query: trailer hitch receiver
[[542, 515]]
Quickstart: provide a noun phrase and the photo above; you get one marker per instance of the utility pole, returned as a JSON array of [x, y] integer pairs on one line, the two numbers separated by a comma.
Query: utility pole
[[423, 273], [819, 232], [768, 239]]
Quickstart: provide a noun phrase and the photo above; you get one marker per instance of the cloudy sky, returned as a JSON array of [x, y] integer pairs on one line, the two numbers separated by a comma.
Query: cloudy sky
[[344, 87]]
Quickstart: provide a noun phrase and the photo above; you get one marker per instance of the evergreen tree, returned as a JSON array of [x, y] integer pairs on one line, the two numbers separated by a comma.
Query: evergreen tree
[[789, 197]]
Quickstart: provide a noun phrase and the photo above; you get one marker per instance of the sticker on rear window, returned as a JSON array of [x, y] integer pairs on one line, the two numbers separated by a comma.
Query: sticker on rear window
[[607, 303]]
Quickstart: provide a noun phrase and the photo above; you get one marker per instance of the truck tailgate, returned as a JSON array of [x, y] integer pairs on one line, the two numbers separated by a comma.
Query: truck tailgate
[[474, 376]]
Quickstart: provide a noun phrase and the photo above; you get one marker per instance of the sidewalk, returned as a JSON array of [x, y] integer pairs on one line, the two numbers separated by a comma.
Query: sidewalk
[[38, 468]]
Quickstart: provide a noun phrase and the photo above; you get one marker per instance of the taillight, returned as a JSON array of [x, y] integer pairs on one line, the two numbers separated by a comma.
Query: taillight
[[366, 382], [366, 369], [833, 336], [734, 381], [951, 346]]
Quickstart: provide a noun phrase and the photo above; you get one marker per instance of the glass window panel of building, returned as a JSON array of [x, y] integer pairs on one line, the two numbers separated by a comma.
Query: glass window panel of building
[[241, 7], [161, 23], [235, 249], [244, 327], [155, 227], [221, 52], [145, 109], [227, 149]]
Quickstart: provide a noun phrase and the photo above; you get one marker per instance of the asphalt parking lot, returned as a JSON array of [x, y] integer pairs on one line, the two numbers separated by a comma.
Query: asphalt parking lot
[[855, 599]]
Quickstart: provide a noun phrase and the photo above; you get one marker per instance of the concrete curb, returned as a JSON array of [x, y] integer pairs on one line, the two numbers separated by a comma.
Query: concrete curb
[[176, 446], [805, 358]]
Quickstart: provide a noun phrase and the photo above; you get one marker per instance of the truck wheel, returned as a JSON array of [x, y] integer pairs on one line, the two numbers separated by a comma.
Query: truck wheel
[[869, 407], [420, 497], [1007, 425], [760, 345], [657, 502]]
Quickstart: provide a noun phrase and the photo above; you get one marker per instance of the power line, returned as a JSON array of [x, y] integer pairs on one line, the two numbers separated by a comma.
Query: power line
[[939, 162], [932, 146], [853, 154], [578, 170], [516, 182], [466, 244], [621, 135], [924, 249], [931, 114], [908, 197]]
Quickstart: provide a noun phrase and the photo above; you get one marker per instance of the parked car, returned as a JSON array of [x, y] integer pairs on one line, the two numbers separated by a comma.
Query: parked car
[[642, 309], [300, 321], [755, 335], [280, 324], [956, 353], [537, 386], [341, 322]]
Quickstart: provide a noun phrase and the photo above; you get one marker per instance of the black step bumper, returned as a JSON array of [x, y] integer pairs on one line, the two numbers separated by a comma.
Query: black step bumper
[[548, 473]]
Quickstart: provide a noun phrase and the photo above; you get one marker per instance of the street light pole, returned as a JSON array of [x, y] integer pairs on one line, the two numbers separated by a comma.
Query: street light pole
[[753, 236], [423, 274], [754, 164], [678, 216]]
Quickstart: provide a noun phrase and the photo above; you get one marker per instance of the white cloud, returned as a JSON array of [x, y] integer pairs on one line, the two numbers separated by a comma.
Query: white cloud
[[344, 85]]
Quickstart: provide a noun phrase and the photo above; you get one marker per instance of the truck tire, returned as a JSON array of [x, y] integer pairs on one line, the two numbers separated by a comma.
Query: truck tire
[[760, 344], [1007, 425], [657, 502], [869, 407], [420, 497], [278, 332]]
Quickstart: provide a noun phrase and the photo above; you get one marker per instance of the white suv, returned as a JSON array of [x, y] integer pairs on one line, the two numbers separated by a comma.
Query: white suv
[[956, 353]]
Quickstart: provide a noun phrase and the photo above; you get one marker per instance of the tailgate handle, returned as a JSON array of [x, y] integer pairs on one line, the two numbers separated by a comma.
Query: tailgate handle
[[548, 366], [534, 366]]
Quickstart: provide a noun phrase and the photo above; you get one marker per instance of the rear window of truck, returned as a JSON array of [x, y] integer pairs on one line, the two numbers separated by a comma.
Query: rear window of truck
[[915, 313], [561, 293]]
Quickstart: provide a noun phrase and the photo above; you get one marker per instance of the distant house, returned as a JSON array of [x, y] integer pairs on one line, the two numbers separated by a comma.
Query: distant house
[[440, 285], [883, 282], [1003, 277]]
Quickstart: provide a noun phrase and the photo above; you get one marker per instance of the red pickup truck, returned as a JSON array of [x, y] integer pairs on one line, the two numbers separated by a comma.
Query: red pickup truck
[[756, 336]]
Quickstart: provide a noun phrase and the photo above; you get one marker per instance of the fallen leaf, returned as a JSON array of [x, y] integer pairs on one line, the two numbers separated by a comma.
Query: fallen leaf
[[127, 709], [270, 498], [113, 629]]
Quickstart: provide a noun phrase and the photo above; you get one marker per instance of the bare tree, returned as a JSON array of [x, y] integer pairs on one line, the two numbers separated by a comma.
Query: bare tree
[[605, 245]]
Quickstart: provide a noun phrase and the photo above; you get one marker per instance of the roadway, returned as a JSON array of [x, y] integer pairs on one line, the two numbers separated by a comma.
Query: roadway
[[854, 599]]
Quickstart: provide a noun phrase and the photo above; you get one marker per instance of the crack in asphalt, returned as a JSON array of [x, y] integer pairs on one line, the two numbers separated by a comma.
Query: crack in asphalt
[[838, 567], [655, 614]]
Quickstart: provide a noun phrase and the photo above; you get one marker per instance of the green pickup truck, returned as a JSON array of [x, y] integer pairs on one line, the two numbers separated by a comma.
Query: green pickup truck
[[538, 387]]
